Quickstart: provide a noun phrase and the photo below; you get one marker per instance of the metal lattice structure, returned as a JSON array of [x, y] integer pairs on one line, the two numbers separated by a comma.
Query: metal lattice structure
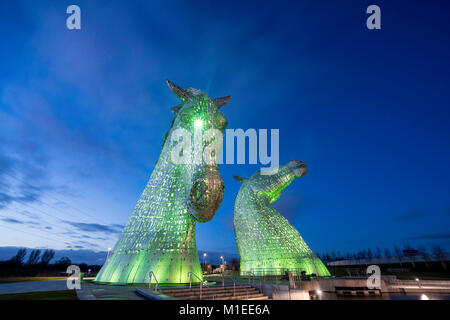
[[267, 243], [160, 234]]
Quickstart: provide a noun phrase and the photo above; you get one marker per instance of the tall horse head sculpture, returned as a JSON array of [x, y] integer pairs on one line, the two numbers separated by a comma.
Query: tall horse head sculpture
[[185, 188], [267, 243]]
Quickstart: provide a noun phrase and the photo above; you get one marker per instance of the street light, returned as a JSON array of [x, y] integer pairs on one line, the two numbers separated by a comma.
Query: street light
[[319, 294], [107, 256], [418, 282], [204, 258], [223, 261]]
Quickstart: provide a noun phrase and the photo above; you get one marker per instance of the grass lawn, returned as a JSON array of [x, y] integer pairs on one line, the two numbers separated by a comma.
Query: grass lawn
[[49, 295], [25, 279]]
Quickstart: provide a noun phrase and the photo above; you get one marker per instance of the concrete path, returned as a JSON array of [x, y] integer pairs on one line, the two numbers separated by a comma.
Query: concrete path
[[32, 286], [93, 291]]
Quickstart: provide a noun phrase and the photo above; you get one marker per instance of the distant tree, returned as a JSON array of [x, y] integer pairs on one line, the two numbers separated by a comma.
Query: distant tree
[[439, 254], [234, 263], [407, 247], [19, 257], [33, 258], [47, 256], [63, 262], [359, 256], [378, 253], [363, 254], [387, 253], [333, 256], [369, 254], [83, 267], [424, 254], [399, 254], [348, 256]]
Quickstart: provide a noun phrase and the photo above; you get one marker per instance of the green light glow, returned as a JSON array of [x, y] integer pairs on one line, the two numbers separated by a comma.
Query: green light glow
[[266, 241], [198, 124]]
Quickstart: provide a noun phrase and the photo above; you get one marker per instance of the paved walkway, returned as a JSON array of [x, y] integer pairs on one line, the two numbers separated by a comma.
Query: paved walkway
[[93, 291], [88, 291], [32, 286]]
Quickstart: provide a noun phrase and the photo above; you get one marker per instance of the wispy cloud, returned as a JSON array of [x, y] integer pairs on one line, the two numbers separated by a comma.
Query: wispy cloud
[[411, 215], [433, 236], [16, 221], [95, 227]]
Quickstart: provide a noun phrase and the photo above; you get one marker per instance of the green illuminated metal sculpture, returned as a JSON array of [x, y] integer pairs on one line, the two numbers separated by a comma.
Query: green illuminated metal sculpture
[[160, 234], [266, 241]]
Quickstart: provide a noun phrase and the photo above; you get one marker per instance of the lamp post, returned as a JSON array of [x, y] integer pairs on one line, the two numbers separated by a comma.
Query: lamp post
[[319, 294], [204, 258], [107, 256], [223, 261]]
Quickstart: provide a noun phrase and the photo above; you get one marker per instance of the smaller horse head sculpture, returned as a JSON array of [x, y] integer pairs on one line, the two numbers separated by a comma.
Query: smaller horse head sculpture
[[266, 241], [272, 185], [196, 141]]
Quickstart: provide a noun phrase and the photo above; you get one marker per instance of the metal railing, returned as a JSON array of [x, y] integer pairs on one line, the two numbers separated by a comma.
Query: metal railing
[[201, 284], [234, 284], [251, 275], [150, 281]]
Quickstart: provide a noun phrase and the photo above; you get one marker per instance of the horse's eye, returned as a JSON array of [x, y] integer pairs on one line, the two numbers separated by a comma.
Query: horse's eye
[[222, 123]]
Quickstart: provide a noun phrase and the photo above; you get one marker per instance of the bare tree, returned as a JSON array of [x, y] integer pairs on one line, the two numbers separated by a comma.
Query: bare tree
[[399, 254], [19, 257], [333, 256], [369, 255], [410, 252], [364, 255], [378, 253], [64, 262], [234, 264], [47, 256], [423, 253], [33, 258], [439, 253]]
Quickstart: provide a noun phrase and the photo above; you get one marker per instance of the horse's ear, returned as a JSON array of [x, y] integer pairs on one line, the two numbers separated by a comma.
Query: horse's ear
[[220, 102], [178, 91], [240, 179], [177, 108]]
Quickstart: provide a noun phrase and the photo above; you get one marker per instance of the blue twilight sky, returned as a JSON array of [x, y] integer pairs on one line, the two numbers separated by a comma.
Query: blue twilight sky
[[83, 114]]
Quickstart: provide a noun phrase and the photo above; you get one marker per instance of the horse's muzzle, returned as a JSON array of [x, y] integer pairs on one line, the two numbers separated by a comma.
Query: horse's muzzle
[[206, 194]]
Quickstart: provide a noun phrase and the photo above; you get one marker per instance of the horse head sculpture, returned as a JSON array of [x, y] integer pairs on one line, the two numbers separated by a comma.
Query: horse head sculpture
[[267, 243], [185, 188]]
